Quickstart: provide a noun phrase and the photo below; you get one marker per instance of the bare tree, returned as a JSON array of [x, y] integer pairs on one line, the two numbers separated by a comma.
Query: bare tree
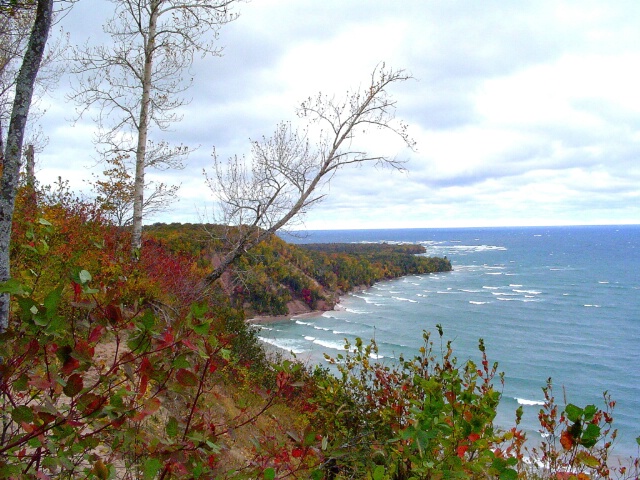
[[286, 173], [138, 82], [24, 86]]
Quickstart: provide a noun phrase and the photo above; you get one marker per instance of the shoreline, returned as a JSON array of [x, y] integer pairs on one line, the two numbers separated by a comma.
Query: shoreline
[[268, 319]]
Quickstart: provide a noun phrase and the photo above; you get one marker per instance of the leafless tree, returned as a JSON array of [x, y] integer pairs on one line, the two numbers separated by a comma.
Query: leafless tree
[[286, 172], [138, 82]]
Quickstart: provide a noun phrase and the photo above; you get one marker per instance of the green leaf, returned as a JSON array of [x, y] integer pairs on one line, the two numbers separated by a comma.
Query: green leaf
[[172, 427], [509, 474], [269, 474], [589, 412], [22, 414], [151, 468], [202, 329], [638, 440], [378, 473], [573, 413], [12, 287], [42, 221], [52, 300], [181, 362], [84, 277]]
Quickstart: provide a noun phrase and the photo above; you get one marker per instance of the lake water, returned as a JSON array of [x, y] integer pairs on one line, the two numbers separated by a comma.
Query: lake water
[[560, 302]]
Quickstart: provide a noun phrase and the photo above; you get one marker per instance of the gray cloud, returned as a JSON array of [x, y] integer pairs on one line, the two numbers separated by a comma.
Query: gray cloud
[[525, 113]]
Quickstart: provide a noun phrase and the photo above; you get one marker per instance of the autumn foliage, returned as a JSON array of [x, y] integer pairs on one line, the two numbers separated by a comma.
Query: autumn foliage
[[114, 368]]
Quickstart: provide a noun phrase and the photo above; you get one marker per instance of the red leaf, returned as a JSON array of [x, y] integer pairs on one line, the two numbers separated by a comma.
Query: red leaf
[[186, 378], [297, 452], [95, 334], [74, 385], [152, 405], [462, 449], [69, 366], [113, 314], [473, 437], [566, 440]]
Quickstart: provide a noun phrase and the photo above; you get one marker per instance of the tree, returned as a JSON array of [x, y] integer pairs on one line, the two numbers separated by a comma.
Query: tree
[[15, 136], [286, 173], [116, 191], [138, 82]]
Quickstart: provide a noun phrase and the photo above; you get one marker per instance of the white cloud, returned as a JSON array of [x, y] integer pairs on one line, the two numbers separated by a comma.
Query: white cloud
[[525, 113]]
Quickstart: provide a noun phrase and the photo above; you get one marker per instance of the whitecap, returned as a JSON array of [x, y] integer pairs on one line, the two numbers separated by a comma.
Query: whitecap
[[594, 306], [514, 285], [332, 345], [402, 299], [490, 288], [310, 339], [493, 273], [300, 322], [357, 312], [530, 292], [288, 345], [524, 401], [604, 282], [477, 303]]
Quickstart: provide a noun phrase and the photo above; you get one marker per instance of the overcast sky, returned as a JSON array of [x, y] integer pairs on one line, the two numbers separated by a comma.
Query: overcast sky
[[524, 112]]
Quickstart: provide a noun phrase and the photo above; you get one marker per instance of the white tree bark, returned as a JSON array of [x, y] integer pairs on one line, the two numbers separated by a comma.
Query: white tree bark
[[15, 137], [139, 81]]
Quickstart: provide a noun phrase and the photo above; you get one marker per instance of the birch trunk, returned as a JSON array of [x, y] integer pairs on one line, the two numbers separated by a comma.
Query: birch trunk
[[143, 130], [15, 137]]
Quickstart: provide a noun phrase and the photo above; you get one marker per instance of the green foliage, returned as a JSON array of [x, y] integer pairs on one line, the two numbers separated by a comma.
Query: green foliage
[[416, 419]]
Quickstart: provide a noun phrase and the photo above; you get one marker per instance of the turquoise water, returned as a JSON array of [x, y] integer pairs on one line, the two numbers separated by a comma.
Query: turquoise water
[[560, 302]]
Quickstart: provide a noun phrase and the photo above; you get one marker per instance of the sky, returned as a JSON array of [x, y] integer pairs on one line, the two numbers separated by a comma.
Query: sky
[[524, 112]]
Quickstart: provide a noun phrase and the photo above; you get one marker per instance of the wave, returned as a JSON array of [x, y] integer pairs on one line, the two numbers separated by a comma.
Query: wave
[[494, 273], [283, 344], [477, 303], [357, 312], [524, 401], [309, 339], [504, 294], [530, 292], [593, 306], [514, 285], [331, 345], [490, 288], [300, 322], [402, 299]]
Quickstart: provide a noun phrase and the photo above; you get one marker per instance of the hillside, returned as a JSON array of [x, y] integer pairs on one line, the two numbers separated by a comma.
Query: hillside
[[278, 278], [118, 367]]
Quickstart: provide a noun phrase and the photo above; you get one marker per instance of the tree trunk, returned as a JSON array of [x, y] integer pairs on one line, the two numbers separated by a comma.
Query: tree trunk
[[15, 137], [143, 130], [31, 166]]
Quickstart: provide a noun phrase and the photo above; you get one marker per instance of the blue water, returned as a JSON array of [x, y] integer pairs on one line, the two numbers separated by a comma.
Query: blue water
[[560, 302]]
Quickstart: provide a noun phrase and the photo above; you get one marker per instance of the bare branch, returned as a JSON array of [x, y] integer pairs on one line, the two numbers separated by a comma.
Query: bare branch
[[284, 177]]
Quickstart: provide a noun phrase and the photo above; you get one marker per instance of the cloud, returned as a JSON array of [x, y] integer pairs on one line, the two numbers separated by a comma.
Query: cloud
[[524, 113]]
